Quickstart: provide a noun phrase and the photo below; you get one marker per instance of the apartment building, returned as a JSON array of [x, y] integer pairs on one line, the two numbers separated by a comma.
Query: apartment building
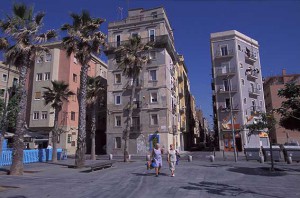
[[9, 80], [272, 84], [50, 66], [237, 88], [156, 103]]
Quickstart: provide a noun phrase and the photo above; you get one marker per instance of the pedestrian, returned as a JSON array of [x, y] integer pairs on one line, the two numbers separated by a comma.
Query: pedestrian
[[49, 146], [156, 155], [172, 159]]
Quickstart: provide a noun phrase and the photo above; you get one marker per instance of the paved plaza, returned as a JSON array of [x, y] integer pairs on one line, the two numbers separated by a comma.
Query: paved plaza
[[199, 178]]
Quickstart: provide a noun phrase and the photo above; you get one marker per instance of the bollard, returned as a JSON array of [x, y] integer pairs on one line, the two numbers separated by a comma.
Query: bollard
[[148, 158], [289, 160], [212, 158], [190, 158], [129, 157], [110, 157], [261, 159]]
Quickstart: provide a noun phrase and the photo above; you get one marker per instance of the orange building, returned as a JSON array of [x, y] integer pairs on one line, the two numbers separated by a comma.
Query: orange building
[[271, 86]]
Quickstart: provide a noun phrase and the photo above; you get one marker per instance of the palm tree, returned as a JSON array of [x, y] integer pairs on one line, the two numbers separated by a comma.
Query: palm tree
[[83, 40], [20, 45], [95, 89], [130, 57], [56, 98]]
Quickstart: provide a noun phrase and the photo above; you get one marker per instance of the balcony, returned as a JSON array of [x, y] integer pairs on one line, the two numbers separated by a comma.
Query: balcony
[[226, 71], [252, 74], [162, 41], [180, 77], [254, 91], [182, 128], [224, 54], [250, 56], [226, 90], [137, 104], [255, 110], [138, 84], [136, 128], [227, 109], [182, 110], [180, 93], [174, 129]]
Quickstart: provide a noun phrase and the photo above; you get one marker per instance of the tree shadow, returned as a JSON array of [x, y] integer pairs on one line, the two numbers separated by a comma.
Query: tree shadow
[[214, 165], [17, 196], [262, 171], [223, 189]]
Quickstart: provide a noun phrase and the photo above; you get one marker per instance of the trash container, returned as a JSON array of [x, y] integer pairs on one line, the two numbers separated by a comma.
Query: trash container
[[267, 153], [291, 151], [252, 153]]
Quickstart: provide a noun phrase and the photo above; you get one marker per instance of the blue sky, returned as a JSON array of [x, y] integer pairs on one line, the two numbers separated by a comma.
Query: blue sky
[[274, 24]]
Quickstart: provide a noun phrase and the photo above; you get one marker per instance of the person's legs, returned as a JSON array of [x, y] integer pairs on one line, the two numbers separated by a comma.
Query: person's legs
[[159, 168], [156, 171]]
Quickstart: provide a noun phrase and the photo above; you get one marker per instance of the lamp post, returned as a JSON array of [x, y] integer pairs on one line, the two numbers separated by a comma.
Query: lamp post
[[232, 122]]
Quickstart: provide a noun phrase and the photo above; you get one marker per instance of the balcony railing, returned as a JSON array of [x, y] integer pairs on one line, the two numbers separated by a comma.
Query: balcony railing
[[224, 54], [136, 128], [227, 109], [137, 104], [227, 89], [182, 110], [254, 91], [225, 71], [252, 74], [180, 92], [251, 56], [180, 77]]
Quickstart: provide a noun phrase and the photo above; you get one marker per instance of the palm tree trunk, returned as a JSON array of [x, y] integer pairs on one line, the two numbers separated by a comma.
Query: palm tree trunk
[[129, 124], [93, 133], [81, 147], [54, 136], [18, 140]]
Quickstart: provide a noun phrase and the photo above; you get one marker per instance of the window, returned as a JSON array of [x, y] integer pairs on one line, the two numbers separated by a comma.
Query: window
[[39, 77], [243, 82], [75, 60], [134, 34], [48, 57], [47, 76], [154, 119], [117, 99], [104, 74], [239, 47], [154, 15], [153, 75], [152, 35], [36, 115], [74, 98], [118, 121], [227, 103], [118, 38], [40, 59], [15, 82], [259, 87], [224, 50], [37, 95], [44, 115], [245, 100], [226, 85], [153, 97], [2, 91], [73, 115], [4, 77], [118, 78], [69, 138], [241, 66], [117, 142], [74, 78], [152, 55], [260, 104]]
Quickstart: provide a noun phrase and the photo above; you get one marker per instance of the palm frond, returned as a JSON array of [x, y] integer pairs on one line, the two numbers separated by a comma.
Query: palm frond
[[50, 34]]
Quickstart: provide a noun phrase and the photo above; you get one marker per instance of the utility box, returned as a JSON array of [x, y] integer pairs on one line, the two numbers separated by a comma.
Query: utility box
[[291, 151], [275, 151], [252, 153]]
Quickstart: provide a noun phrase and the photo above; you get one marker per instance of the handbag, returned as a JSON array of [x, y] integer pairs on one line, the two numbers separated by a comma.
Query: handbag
[[153, 164]]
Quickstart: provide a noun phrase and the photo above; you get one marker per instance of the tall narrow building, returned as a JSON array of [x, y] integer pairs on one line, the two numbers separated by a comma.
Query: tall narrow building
[[154, 113], [237, 88]]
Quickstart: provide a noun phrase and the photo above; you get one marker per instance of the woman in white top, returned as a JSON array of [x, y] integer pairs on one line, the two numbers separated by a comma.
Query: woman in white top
[[172, 159]]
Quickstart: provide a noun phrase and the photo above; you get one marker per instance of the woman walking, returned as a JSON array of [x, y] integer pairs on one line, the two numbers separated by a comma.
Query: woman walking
[[156, 155], [172, 159]]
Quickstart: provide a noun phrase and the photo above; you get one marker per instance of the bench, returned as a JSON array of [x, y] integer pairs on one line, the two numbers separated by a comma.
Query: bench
[[100, 165]]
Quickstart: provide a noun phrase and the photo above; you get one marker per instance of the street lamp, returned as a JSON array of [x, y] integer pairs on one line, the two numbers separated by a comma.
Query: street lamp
[[232, 122]]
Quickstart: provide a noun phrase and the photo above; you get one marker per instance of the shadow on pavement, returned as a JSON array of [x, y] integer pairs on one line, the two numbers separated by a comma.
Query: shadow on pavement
[[149, 174], [263, 171], [214, 165], [17, 196], [222, 189]]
